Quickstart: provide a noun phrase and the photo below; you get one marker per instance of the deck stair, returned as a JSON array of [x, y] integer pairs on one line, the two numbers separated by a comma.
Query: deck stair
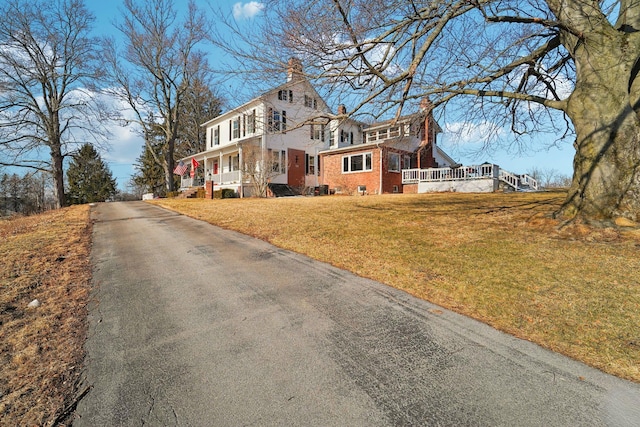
[[518, 182]]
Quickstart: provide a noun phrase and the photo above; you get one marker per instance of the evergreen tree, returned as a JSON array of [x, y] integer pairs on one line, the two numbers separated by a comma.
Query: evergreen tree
[[89, 178], [150, 175]]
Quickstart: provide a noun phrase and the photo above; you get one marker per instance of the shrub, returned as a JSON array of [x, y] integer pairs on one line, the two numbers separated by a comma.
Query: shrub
[[228, 193]]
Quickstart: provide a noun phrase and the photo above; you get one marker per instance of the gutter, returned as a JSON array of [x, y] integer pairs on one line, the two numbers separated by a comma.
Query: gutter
[[380, 186]]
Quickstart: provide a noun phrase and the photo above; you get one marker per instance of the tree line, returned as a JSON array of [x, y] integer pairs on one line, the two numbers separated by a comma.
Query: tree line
[[62, 88], [26, 194]]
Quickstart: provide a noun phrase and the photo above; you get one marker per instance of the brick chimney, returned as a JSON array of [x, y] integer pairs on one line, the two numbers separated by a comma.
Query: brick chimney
[[426, 106], [294, 69], [342, 110], [428, 138]]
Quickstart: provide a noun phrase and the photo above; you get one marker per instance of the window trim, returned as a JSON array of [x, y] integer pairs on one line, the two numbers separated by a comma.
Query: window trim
[[406, 161], [349, 162], [235, 124], [397, 161]]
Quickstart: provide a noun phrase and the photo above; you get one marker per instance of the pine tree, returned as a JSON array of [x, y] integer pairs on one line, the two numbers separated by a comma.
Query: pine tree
[[89, 178], [150, 174]]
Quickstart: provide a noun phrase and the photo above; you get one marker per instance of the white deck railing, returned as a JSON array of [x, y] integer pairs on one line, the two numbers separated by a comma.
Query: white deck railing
[[467, 173], [509, 178], [462, 173]]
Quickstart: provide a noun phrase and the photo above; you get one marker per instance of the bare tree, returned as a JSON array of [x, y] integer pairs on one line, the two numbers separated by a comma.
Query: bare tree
[[47, 60], [569, 67], [154, 72], [200, 105], [259, 167]]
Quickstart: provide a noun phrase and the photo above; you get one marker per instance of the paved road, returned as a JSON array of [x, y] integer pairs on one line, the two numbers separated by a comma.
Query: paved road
[[193, 325]]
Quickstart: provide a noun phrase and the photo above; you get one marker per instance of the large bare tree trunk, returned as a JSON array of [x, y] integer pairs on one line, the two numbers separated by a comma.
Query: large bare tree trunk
[[57, 172], [606, 180], [170, 165]]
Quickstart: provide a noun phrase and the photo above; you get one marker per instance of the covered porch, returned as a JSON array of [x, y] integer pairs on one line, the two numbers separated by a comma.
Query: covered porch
[[217, 170]]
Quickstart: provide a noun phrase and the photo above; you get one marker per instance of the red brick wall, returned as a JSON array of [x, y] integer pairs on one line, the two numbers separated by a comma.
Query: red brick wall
[[391, 179], [208, 186], [331, 172], [410, 189]]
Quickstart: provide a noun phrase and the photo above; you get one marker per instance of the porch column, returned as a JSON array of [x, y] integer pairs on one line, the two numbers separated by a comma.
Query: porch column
[[381, 164], [220, 166]]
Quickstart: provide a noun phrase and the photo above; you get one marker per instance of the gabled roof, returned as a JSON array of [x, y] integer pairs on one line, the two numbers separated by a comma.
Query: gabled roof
[[446, 156], [262, 97]]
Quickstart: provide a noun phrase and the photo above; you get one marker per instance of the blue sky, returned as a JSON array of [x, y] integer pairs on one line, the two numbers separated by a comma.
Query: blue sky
[[126, 146]]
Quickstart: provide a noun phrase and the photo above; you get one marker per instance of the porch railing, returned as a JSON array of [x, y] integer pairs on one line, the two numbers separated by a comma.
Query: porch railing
[[463, 173], [187, 181], [467, 173], [219, 178], [226, 177]]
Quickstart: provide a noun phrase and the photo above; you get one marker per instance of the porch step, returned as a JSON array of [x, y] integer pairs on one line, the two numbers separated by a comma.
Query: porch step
[[190, 193], [283, 190]]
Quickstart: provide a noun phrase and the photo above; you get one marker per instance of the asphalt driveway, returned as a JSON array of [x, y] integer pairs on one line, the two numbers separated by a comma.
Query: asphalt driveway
[[193, 325]]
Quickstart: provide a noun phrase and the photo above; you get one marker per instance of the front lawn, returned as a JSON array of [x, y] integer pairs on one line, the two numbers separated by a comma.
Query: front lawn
[[499, 258]]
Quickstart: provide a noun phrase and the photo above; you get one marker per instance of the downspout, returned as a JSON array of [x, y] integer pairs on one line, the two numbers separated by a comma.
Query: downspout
[[317, 171], [381, 166]]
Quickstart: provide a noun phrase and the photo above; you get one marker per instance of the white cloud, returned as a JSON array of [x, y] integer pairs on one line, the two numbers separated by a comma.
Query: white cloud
[[247, 10], [467, 132]]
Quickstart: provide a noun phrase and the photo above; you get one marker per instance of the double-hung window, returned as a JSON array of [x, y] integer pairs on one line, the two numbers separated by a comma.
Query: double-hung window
[[356, 163], [394, 162], [251, 122], [276, 120], [285, 95], [236, 128], [317, 131], [311, 165], [310, 102], [406, 162], [278, 160]]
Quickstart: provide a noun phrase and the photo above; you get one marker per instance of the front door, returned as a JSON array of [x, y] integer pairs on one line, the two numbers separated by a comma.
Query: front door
[[295, 171]]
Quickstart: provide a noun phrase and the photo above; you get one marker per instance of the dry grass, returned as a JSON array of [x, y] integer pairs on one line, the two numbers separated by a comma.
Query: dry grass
[[499, 258], [44, 257]]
